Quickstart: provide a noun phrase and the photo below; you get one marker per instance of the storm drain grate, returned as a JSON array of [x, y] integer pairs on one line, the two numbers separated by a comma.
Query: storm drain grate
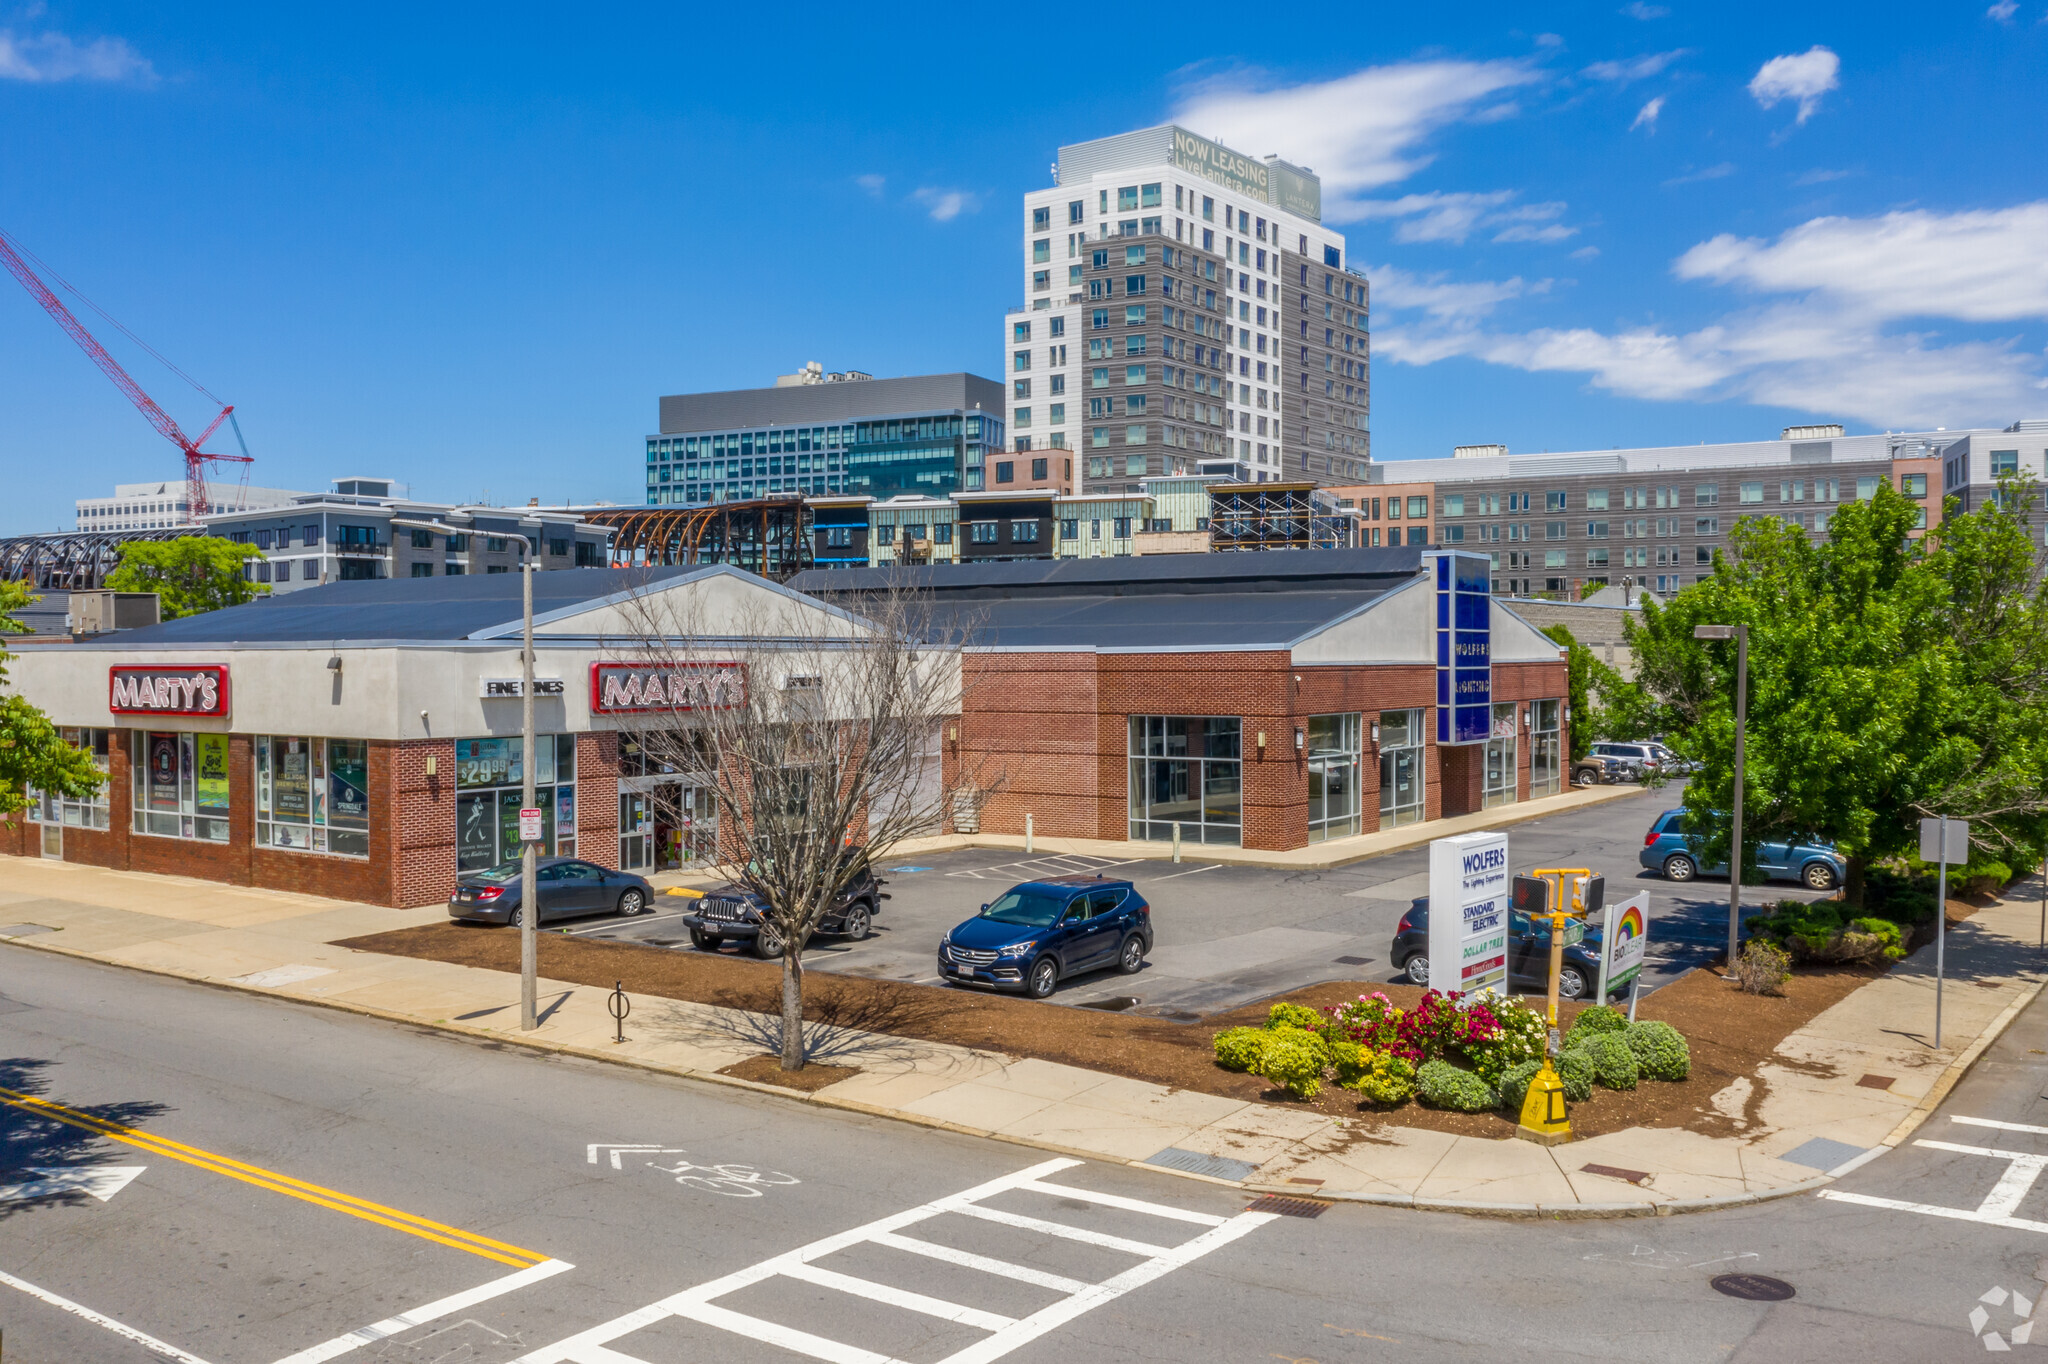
[[1289, 1207], [1201, 1163], [1354, 961]]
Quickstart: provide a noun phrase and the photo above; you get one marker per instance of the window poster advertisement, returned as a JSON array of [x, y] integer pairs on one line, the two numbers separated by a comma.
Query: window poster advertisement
[[210, 765], [487, 762], [348, 782], [476, 832], [163, 772], [291, 794]]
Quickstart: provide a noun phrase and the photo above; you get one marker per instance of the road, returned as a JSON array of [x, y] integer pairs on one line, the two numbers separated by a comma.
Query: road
[[315, 1185], [1228, 935]]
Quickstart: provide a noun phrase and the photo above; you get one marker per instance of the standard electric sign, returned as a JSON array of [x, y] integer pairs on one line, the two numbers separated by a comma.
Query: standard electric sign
[[168, 691], [1468, 913], [1464, 646]]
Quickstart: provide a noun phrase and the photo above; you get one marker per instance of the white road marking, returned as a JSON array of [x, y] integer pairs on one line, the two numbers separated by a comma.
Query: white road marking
[[2001, 1126], [419, 1316], [147, 1342], [590, 1152], [101, 1181], [618, 922], [1169, 877], [1005, 1334], [2021, 1172]]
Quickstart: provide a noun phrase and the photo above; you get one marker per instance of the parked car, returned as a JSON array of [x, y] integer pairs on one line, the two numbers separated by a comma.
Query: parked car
[[1670, 763], [1641, 759], [1037, 934], [732, 913], [1528, 953], [1809, 860], [1595, 770], [568, 887]]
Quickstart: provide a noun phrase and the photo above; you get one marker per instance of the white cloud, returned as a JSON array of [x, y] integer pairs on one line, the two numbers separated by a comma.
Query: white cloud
[[2003, 11], [1820, 176], [946, 204], [1549, 40], [1360, 131], [1633, 68], [873, 184], [1722, 171], [1396, 290], [1586, 253], [1646, 117], [1821, 344], [45, 58], [1805, 76], [1636, 9], [1453, 217]]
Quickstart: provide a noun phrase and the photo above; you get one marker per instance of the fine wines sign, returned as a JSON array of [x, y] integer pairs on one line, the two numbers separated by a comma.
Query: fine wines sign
[[201, 690]]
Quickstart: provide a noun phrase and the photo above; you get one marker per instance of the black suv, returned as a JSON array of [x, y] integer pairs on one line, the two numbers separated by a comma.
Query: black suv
[[732, 913]]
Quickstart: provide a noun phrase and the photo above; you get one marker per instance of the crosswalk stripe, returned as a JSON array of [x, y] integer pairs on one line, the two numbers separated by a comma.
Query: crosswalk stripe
[[897, 1297], [1021, 1273], [1127, 1204], [1061, 1229]]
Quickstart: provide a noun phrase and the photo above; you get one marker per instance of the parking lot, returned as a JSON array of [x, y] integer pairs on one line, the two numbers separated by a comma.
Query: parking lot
[[1229, 935]]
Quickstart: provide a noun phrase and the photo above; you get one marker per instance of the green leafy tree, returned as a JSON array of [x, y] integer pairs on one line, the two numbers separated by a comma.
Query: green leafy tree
[[191, 574], [1889, 678], [1590, 678], [32, 751]]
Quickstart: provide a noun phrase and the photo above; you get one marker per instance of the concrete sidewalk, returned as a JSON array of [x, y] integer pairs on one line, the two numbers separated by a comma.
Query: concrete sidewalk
[[1813, 1108]]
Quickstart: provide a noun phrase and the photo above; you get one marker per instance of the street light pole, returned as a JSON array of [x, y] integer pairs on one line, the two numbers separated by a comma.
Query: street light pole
[[529, 878], [1740, 633]]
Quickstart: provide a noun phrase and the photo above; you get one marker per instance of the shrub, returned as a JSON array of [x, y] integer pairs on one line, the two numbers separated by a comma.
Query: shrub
[[1614, 1065], [1294, 1060], [1296, 1016], [1443, 1085], [1595, 1019], [1660, 1050], [1521, 1035], [1869, 939], [1241, 1048], [1514, 1084], [1980, 878], [1762, 968], [1349, 1060], [1575, 1069], [1391, 1081], [1371, 1020]]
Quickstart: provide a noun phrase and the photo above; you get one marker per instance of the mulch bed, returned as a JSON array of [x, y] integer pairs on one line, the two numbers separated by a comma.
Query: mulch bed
[[767, 1070], [1730, 1033]]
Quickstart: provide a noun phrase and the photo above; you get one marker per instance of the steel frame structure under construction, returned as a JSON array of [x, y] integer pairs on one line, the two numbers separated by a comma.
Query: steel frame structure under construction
[[75, 561], [1251, 516], [768, 536]]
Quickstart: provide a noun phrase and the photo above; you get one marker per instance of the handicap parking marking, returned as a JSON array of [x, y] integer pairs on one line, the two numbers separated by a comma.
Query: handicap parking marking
[[1053, 864], [1005, 1333], [2023, 1169]]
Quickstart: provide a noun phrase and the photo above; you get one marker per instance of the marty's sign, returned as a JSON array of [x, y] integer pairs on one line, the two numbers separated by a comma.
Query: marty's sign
[[201, 690], [616, 688]]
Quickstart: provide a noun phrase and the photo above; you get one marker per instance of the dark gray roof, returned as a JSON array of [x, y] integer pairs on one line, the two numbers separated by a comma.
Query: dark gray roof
[[398, 608], [1210, 620], [859, 400], [1302, 570]]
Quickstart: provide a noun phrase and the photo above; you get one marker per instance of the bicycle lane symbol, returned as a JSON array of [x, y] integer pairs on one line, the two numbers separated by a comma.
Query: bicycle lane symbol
[[731, 1179]]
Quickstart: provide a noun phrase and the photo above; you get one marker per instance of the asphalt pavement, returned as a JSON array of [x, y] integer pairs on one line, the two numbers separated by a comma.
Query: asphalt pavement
[[196, 1174], [1230, 935]]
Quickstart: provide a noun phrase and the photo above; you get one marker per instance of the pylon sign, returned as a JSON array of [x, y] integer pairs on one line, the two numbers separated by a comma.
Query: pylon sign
[[1468, 913]]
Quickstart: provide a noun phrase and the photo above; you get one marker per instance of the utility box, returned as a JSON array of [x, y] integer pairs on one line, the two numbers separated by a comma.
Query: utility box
[[102, 612]]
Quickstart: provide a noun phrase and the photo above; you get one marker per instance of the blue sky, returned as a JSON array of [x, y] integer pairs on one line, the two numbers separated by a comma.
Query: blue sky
[[469, 247]]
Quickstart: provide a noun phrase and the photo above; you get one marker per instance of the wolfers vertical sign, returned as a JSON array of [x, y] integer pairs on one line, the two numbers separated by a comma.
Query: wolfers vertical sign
[[1468, 913], [1464, 645]]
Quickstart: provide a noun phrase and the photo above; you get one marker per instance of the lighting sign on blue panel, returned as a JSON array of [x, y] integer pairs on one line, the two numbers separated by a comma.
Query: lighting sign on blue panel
[[1464, 646]]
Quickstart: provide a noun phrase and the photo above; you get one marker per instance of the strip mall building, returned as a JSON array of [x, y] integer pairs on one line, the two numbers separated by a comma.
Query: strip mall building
[[361, 740]]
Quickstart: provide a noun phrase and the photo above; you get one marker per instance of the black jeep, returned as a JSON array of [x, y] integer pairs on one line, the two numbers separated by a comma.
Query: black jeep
[[733, 914]]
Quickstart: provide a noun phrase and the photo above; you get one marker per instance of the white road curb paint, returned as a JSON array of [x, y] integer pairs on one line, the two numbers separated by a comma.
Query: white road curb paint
[[1006, 1334], [147, 1342], [419, 1316], [1857, 1162], [2022, 1170]]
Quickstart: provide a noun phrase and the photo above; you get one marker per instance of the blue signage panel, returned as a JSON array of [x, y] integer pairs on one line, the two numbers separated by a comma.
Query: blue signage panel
[[1464, 645]]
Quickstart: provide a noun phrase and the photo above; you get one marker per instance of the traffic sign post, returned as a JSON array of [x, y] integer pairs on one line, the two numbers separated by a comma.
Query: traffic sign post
[[1562, 895], [1942, 841], [529, 824]]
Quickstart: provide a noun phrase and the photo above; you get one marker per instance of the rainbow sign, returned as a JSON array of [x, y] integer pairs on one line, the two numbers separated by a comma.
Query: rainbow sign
[[1624, 942]]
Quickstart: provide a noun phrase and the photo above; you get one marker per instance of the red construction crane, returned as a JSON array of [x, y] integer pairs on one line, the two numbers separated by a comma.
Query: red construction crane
[[195, 458]]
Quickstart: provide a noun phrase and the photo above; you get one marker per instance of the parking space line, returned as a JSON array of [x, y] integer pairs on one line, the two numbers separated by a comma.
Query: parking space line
[[419, 1316], [147, 1342], [1191, 872], [627, 923], [261, 1178]]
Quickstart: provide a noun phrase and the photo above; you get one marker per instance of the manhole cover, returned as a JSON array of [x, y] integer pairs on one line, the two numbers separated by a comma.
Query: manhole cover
[[1752, 1287], [1288, 1207], [1115, 1005]]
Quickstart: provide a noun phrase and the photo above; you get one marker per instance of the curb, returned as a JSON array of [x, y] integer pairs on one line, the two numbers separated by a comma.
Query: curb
[[1952, 1076]]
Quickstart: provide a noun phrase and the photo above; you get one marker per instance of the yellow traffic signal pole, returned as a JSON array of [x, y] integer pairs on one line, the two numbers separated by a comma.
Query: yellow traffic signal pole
[[1543, 1110]]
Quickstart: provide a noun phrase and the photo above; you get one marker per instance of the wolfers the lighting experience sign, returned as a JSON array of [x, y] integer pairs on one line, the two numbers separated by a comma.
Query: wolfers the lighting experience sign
[[1468, 913], [1464, 645]]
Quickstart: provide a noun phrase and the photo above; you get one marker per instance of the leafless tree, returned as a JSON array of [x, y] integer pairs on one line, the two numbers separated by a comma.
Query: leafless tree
[[820, 732]]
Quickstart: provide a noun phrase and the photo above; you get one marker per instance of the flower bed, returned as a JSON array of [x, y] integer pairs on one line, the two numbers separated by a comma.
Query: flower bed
[[1463, 1055]]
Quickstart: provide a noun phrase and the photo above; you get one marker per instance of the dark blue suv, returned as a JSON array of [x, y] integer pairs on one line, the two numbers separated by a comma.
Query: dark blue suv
[[1037, 934]]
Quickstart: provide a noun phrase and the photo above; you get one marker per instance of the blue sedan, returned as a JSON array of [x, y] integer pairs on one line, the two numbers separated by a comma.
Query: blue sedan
[[1668, 849], [1037, 934]]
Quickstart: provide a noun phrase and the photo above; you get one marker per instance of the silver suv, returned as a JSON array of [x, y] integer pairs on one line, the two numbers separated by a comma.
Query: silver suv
[[1640, 759]]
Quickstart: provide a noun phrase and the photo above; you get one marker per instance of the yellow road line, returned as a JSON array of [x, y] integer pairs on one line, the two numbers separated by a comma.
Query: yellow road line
[[277, 1183]]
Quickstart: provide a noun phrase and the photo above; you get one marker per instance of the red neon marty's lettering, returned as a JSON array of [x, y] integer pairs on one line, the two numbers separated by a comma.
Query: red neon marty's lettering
[[184, 691]]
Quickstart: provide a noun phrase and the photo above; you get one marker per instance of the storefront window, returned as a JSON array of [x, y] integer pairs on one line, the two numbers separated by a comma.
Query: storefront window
[[1185, 770], [1545, 772], [1499, 785], [181, 785], [1401, 793], [1333, 758], [91, 813], [313, 794], [488, 779]]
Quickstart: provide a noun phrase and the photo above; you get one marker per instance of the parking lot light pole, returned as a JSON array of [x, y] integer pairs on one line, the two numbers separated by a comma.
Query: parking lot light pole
[[1740, 634], [529, 879]]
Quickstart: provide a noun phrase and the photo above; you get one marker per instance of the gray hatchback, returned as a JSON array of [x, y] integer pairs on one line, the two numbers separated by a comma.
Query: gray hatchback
[[569, 888]]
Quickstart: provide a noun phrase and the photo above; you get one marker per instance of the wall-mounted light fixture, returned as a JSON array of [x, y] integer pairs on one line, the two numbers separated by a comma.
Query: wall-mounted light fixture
[[334, 664], [1375, 734], [1262, 741], [1297, 739]]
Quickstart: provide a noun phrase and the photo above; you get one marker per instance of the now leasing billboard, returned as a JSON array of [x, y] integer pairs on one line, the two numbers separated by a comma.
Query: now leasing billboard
[[622, 688], [199, 690], [1468, 914]]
